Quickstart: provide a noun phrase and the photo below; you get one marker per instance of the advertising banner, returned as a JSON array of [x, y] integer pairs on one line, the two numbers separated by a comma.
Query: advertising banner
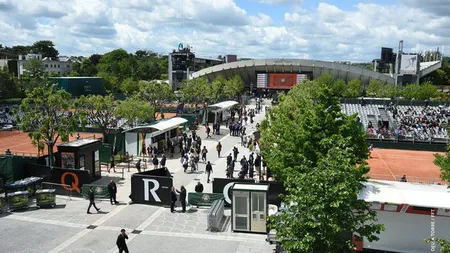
[[151, 187], [100, 191], [203, 199], [282, 81], [225, 186], [409, 64]]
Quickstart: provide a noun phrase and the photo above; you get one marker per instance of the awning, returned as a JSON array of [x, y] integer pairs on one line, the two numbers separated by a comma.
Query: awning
[[223, 105], [161, 125]]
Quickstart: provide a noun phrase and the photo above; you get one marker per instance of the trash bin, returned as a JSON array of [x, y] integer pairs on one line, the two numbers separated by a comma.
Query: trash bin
[[46, 198], [18, 200], [32, 184]]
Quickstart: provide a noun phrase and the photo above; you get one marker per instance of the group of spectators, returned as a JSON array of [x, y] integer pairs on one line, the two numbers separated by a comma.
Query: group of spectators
[[422, 123], [6, 115]]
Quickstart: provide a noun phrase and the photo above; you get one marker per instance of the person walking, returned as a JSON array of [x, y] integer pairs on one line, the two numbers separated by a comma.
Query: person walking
[[91, 196], [208, 170], [172, 151], [112, 190], [204, 152], [235, 153], [218, 149], [163, 161], [121, 243], [208, 132], [229, 159], [173, 199], [155, 162], [182, 198], [138, 165], [258, 166], [113, 165], [199, 187]]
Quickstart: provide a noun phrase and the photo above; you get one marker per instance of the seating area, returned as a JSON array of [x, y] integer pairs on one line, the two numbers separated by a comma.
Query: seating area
[[6, 115], [417, 123]]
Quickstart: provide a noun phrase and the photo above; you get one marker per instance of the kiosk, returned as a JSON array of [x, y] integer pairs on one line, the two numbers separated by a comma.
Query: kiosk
[[249, 208], [82, 154], [219, 112]]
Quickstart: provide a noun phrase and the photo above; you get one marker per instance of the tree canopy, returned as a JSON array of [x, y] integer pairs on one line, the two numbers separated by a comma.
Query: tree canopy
[[45, 116], [315, 149]]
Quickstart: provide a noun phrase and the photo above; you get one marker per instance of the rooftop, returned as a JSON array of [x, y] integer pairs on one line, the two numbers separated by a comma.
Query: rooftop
[[79, 143], [415, 194]]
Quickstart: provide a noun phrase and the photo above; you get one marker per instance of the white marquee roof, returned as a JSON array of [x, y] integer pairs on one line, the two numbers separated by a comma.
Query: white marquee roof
[[162, 125], [415, 194], [223, 105]]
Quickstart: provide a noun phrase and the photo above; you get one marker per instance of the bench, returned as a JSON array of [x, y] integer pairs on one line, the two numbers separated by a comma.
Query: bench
[[215, 215]]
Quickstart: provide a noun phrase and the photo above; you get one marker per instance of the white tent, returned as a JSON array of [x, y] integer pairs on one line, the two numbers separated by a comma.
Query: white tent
[[133, 141]]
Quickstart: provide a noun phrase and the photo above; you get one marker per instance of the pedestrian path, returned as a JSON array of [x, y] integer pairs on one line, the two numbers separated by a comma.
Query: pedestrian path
[[69, 229]]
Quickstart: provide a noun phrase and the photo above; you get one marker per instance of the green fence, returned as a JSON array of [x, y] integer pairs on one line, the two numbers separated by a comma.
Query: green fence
[[203, 199], [100, 191], [12, 168], [105, 153]]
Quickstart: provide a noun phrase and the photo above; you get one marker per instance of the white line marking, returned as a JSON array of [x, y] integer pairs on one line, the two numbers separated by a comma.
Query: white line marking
[[48, 222], [73, 239]]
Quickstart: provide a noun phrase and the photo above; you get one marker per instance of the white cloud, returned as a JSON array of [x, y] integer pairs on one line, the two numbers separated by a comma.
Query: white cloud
[[326, 31]]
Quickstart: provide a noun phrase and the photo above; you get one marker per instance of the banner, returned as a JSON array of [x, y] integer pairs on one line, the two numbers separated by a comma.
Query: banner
[[203, 199], [151, 187], [225, 186], [100, 191]]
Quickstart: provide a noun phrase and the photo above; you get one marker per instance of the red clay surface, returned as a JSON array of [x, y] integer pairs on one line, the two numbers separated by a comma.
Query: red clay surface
[[392, 163], [19, 143]]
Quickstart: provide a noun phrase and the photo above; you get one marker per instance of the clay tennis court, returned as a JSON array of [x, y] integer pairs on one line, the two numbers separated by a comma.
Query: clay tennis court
[[20, 144], [392, 164]]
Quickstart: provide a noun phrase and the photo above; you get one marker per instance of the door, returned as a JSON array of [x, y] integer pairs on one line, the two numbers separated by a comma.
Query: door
[[258, 212], [241, 211]]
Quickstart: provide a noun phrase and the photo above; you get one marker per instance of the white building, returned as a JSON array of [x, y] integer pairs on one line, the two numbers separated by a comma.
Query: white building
[[61, 65], [3, 63]]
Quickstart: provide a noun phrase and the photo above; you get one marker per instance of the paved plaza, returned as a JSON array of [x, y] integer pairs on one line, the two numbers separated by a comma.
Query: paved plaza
[[67, 228]]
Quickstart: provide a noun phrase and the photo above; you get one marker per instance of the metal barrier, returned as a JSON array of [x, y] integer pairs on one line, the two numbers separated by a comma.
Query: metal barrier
[[422, 180], [65, 186], [215, 215]]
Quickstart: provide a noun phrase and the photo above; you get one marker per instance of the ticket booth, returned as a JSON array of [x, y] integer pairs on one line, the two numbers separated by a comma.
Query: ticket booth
[[83, 155], [249, 208]]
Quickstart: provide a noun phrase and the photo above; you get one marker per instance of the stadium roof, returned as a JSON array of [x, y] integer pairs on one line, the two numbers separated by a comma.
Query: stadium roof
[[248, 69]]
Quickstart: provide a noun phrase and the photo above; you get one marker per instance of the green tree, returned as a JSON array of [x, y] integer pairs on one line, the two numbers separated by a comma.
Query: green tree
[[392, 91], [233, 87], [338, 87], [217, 89], [311, 146], [101, 111], [34, 68], [135, 111], [155, 93], [8, 85], [43, 116], [129, 86], [195, 91], [443, 243], [353, 89], [45, 47], [375, 88]]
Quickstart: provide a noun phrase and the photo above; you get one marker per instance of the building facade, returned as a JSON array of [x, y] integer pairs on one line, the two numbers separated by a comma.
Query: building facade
[[60, 66]]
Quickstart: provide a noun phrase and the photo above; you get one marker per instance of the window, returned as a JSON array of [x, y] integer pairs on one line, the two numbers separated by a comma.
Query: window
[[46, 65], [81, 162], [58, 65], [67, 160], [419, 208]]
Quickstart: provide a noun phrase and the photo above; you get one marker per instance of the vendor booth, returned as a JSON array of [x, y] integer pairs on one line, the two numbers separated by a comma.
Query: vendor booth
[[220, 112], [82, 154], [249, 211], [155, 135]]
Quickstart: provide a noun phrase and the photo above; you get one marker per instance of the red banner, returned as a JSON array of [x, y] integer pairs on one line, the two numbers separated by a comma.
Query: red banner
[[282, 81]]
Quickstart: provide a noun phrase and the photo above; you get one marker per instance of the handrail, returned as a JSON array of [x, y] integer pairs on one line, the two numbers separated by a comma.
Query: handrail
[[215, 215], [63, 185]]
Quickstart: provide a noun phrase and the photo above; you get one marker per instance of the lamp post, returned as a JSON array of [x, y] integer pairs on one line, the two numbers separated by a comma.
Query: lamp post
[[50, 152]]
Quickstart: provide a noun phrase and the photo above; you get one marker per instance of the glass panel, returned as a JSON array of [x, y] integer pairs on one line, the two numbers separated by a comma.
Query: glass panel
[[254, 202], [241, 223], [67, 160], [241, 205], [262, 201]]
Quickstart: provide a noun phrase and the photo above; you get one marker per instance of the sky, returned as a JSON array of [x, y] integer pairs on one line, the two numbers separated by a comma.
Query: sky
[[338, 30]]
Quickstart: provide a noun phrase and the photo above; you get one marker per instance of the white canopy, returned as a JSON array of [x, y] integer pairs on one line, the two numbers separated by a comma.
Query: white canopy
[[223, 105], [415, 194], [162, 125]]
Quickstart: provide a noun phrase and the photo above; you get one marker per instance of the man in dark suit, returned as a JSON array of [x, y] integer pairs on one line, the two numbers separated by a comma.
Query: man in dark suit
[[173, 199], [183, 198], [112, 190], [199, 187], [91, 197], [121, 243]]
